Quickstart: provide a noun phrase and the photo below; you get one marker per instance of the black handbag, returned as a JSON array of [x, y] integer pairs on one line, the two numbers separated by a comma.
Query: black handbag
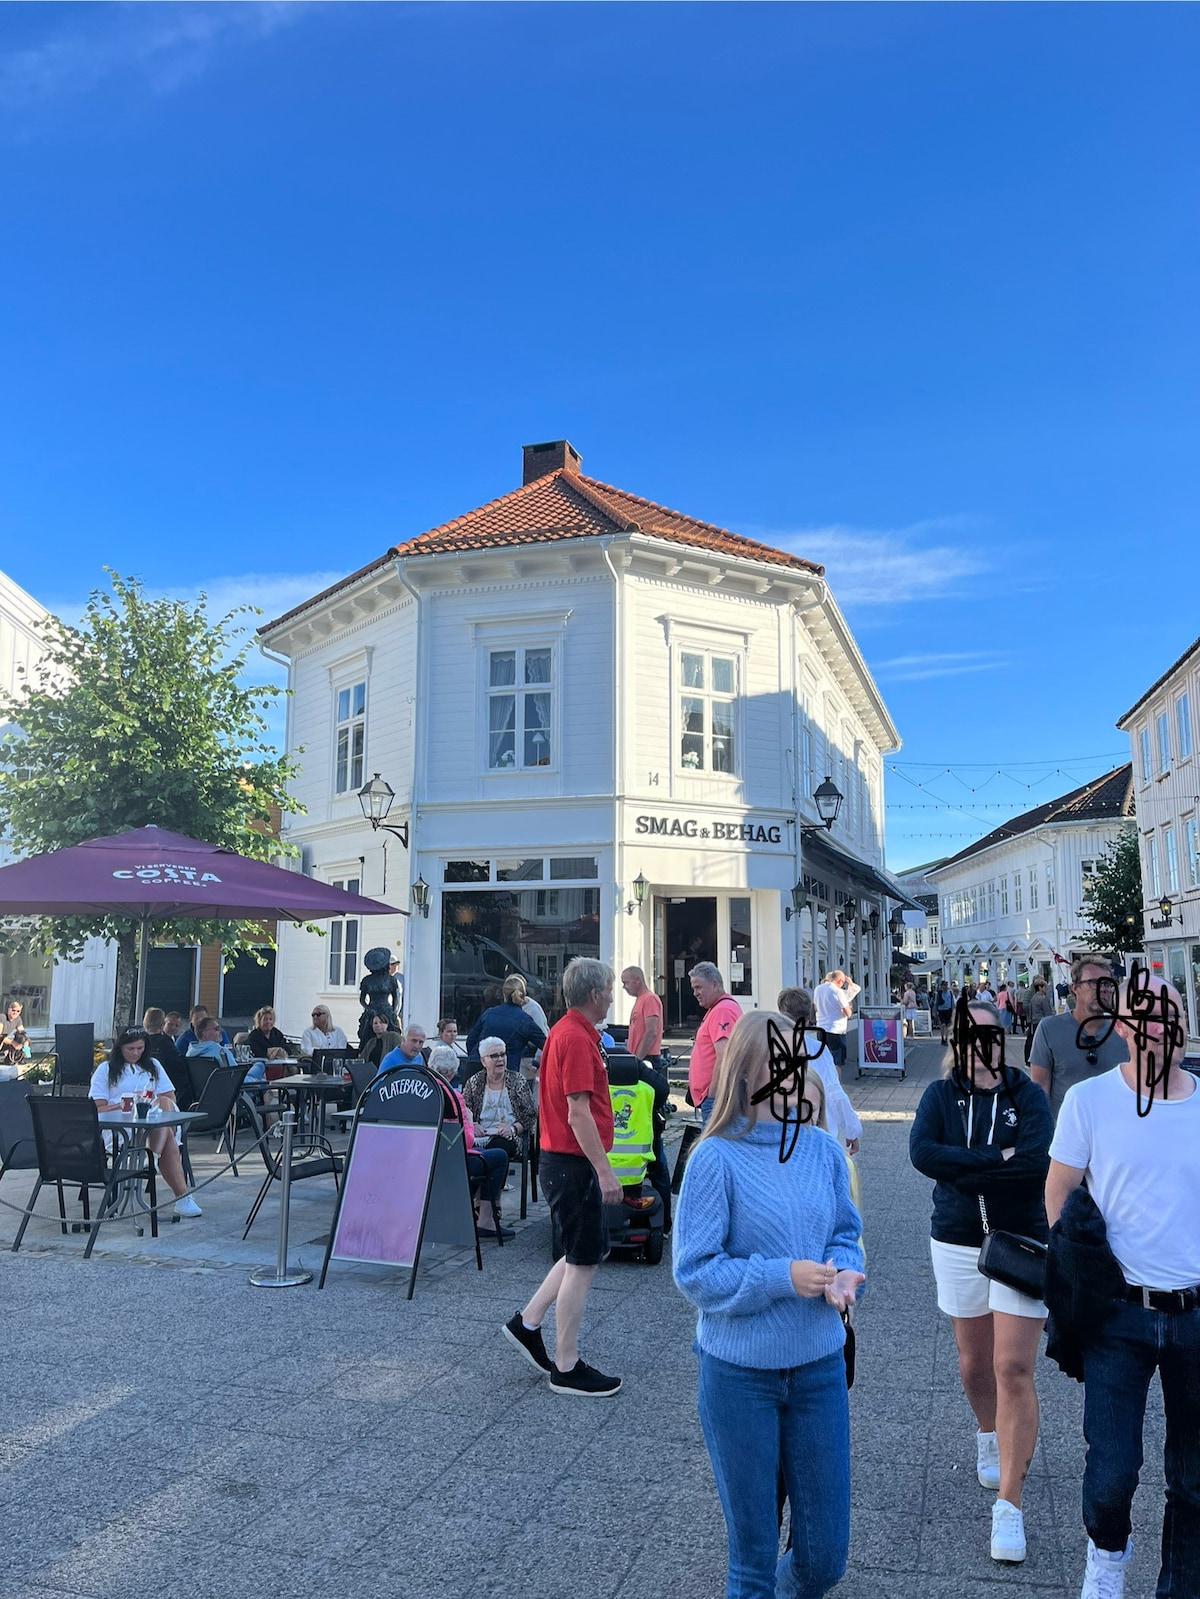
[[1012, 1259]]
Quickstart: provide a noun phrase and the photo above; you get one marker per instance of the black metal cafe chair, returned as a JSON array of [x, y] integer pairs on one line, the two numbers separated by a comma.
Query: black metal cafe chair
[[18, 1151], [74, 1047], [218, 1103], [70, 1149]]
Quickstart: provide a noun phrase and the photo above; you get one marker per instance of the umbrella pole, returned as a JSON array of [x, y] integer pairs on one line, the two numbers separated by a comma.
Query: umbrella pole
[[139, 1000]]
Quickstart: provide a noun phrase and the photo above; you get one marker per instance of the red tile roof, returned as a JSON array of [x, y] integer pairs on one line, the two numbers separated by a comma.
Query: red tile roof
[[1105, 798], [565, 505]]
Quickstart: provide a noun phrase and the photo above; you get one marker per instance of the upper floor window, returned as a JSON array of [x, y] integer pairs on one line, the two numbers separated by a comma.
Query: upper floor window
[[1144, 752], [1164, 742], [1183, 727], [1087, 871], [1018, 892], [1004, 895], [344, 941], [707, 711], [520, 699], [1172, 860], [1050, 893], [1152, 866], [1033, 888], [351, 738], [1191, 851]]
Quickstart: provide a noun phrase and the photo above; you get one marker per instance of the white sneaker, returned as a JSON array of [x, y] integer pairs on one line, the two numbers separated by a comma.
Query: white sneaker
[[1008, 1532], [187, 1206], [987, 1460], [1104, 1576]]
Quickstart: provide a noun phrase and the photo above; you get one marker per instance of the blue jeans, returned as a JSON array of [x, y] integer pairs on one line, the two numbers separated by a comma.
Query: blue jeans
[[752, 1422], [492, 1163], [1117, 1371]]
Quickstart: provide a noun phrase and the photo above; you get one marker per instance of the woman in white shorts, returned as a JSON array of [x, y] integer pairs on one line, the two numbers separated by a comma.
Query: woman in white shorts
[[983, 1133]]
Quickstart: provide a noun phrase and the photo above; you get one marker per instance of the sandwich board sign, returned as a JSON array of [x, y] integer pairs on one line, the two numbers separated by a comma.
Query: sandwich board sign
[[406, 1180]]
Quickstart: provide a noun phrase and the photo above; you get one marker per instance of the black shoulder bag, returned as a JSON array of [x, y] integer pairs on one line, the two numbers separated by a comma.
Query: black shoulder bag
[[1009, 1258]]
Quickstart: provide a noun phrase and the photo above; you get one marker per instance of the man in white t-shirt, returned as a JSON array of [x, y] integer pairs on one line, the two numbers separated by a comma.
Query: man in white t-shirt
[[1134, 1133], [831, 999]]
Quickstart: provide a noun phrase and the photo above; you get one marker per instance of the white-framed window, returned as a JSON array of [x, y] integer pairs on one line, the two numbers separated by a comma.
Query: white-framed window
[[344, 941], [1018, 892], [1087, 872], [1144, 753], [707, 711], [1172, 860], [1050, 890], [1164, 742], [991, 901], [1152, 866], [1033, 888], [520, 708], [1191, 851], [1004, 895], [1183, 726], [350, 737]]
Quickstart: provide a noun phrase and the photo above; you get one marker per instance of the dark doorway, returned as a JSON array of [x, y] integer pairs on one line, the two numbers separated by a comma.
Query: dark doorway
[[691, 936], [247, 988], [171, 977]]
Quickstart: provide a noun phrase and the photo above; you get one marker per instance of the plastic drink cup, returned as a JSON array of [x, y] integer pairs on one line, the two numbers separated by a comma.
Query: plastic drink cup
[[142, 1107], [126, 1103]]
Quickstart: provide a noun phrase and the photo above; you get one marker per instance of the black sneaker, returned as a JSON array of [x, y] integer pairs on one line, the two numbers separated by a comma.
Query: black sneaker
[[585, 1381], [529, 1343]]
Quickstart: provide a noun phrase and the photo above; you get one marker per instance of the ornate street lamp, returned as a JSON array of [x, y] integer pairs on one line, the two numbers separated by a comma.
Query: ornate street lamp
[[640, 887], [420, 897], [799, 902], [376, 799]]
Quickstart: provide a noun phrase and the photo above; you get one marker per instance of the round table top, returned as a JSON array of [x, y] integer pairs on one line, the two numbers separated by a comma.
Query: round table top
[[162, 1118]]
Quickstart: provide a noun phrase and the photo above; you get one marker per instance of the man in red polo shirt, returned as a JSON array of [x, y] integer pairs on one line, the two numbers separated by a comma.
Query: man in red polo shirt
[[575, 1133], [646, 1017], [721, 1011]]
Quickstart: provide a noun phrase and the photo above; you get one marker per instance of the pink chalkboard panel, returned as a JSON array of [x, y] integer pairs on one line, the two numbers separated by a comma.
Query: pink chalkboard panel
[[383, 1195]]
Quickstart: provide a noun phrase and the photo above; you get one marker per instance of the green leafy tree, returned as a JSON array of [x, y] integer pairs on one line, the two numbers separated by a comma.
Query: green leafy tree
[[138, 716], [1112, 910]]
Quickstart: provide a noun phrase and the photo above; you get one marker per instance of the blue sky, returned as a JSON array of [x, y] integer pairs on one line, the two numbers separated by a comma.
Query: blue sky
[[909, 289]]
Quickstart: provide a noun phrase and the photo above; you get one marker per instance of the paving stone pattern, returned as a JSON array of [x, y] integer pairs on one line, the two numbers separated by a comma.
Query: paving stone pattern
[[167, 1428]]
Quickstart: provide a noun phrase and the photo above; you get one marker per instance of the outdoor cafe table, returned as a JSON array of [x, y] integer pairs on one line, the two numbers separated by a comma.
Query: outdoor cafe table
[[133, 1130], [317, 1085]]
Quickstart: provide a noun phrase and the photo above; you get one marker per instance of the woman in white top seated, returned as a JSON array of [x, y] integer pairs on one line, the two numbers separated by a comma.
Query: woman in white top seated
[[127, 1072], [322, 1034], [500, 1101]]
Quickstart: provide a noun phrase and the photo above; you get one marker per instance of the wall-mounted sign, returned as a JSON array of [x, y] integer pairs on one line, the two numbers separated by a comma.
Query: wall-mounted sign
[[708, 831]]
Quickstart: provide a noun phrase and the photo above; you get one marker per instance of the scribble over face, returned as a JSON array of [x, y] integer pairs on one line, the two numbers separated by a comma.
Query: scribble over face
[[978, 1046], [1148, 1015], [788, 1057]]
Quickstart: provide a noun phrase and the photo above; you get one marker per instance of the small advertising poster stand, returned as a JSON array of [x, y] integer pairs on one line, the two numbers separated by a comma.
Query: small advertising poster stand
[[881, 1039], [406, 1177], [922, 1024]]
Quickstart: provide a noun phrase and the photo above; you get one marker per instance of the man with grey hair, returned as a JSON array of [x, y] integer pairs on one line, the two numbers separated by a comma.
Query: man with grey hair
[[1134, 1134], [721, 1011], [1074, 1046], [575, 1135]]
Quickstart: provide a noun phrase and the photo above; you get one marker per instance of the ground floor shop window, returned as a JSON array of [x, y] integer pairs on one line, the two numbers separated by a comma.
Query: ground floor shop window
[[488, 935]]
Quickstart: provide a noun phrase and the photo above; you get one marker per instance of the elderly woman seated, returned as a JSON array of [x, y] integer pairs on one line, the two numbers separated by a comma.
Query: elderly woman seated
[[486, 1161], [500, 1101], [265, 1039], [322, 1034]]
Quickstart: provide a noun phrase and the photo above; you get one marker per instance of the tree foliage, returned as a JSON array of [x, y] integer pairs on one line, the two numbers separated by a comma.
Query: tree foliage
[[1116, 895], [138, 716]]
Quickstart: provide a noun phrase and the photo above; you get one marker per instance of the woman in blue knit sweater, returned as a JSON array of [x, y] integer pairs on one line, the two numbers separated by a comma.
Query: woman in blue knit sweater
[[767, 1250]]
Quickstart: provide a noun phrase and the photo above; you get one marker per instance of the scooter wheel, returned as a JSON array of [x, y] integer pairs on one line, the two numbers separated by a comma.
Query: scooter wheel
[[653, 1251]]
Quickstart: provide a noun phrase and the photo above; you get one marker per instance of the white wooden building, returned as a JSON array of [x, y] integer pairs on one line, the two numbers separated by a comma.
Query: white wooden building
[[1163, 731], [1011, 903], [63, 991], [603, 722]]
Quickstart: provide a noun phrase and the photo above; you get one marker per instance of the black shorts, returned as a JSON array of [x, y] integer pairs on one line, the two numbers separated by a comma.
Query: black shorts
[[572, 1189]]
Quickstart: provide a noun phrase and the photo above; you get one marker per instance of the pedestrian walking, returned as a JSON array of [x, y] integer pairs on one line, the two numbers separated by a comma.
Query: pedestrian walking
[[909, 1001], [832, 1003], [943, 1002], [576, 1133], [983, 1133], [767, 1250], [1134, 1133], [721, 1012], [1038, 1005], [1079, 1043]]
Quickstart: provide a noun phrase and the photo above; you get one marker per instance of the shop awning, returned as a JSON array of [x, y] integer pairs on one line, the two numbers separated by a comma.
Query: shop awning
[[867, 879]]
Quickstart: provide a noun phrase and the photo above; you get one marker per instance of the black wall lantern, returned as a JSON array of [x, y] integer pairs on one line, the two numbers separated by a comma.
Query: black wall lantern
[[376, 799], [420, 897], [828, 800], [640, 887], [799, 902]]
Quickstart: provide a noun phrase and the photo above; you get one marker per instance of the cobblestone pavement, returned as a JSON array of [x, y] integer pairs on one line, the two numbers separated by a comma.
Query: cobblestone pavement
[[167, 1428]]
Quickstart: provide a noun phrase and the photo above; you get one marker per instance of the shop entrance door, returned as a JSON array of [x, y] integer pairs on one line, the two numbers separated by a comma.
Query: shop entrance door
[[689, 935]]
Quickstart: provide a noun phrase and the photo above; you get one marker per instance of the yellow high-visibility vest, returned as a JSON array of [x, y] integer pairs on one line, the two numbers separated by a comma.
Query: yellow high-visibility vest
[[633, 1130]]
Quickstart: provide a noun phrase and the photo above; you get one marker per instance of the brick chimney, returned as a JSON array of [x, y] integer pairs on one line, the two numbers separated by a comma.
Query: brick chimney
[[542, 459]]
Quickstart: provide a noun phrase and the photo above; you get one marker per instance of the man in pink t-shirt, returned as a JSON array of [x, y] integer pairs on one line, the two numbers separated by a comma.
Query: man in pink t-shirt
[[646, 1018], [720, 1013]]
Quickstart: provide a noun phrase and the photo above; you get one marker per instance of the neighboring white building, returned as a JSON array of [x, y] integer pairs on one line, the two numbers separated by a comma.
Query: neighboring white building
[[1163, 730], [603, 722], [66, 991], [920, 947], [1010, 904]]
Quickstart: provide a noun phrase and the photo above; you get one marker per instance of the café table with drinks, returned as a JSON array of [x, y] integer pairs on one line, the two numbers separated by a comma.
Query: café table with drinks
[[136, 1099]]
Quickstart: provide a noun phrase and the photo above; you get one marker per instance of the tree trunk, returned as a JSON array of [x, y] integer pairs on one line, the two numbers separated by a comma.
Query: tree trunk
[[126, 980]]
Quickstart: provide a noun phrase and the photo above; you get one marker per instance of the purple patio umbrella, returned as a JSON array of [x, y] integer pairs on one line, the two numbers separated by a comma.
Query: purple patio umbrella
[[150, 875]]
